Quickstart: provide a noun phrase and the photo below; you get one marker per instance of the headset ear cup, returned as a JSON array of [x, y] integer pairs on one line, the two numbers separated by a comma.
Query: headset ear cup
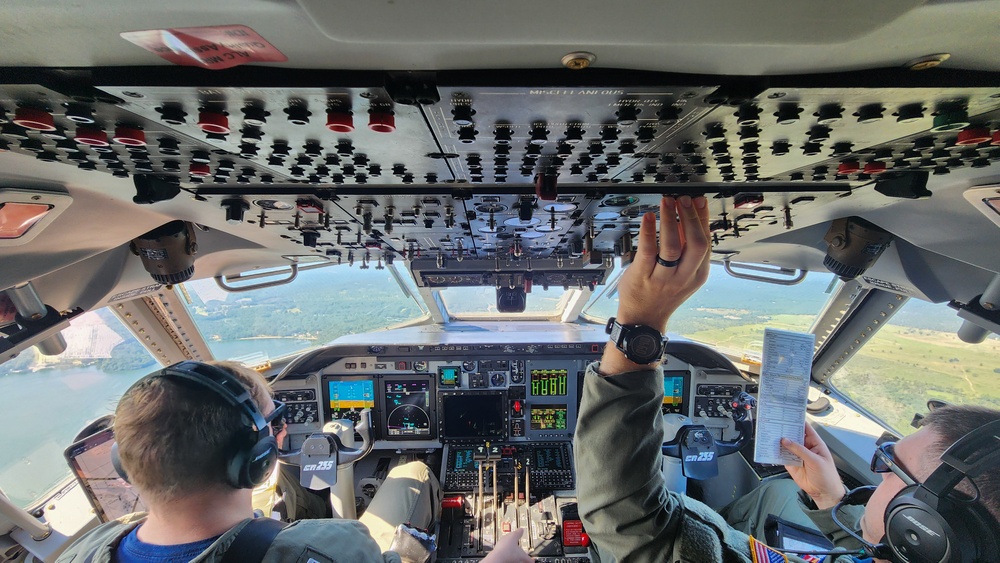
[[253, 469], [116, 462], [917, 533]]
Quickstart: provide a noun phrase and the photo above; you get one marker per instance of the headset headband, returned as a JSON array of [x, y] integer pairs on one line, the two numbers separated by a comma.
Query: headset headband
[[221, 382], [969, 457]]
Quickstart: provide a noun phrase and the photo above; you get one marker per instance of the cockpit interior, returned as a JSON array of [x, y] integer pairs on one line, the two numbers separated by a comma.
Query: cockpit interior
[[187, 177]]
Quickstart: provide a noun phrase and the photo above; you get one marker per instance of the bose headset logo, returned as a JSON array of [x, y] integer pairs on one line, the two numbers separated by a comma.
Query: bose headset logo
[[262, 456], [926, 530]]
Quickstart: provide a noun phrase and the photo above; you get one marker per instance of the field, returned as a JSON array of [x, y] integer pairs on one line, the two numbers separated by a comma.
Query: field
[[896, 373]]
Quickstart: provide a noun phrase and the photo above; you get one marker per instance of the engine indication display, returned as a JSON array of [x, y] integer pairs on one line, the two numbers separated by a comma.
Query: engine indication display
[[407, 405], [548, 417], [548, 382], [673, 392]]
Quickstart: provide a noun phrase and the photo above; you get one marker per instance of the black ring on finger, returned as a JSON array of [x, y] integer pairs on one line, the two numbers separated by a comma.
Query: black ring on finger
[[667, 263]]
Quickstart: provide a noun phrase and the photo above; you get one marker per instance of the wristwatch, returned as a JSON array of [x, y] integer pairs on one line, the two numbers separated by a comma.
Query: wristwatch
[[640, 344]]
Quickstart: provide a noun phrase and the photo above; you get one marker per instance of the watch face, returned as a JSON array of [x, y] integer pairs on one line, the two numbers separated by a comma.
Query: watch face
[[644, 347]]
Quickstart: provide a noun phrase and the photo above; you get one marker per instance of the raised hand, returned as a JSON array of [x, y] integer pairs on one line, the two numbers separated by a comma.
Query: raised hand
[[662, 276]]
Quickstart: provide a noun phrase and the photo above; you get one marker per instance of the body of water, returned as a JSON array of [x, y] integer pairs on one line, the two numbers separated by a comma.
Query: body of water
[[46, 409]]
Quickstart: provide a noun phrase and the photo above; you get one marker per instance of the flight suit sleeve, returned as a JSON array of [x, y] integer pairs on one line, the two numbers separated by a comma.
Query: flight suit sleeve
[[850, 516], [626, 509]]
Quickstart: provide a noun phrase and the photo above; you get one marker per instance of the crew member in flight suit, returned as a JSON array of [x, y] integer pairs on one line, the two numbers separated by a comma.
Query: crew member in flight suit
[[625, 507], [172, 443]]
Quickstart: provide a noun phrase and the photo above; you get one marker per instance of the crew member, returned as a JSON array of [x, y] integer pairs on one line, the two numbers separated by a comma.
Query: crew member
[[184, 445], [625, 507]]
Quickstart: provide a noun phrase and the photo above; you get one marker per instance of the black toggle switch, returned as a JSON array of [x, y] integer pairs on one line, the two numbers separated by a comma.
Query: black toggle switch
[[79, 113], [829, 114], [788, 114], [502, 136], [462, 115], [298, 115], [842, 149], [910, 113], [870, 113], [573, 134], [669, 114], [627, 114], [467, 135], [255, 116], [172, 114], [748, 115]]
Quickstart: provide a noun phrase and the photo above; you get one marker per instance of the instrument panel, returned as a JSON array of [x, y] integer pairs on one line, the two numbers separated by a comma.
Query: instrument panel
[[502, 415], [453, 400], [465, 388]]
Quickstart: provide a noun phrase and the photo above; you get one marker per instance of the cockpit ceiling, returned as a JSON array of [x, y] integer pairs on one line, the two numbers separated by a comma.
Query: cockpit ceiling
[[727, 37], [460, 176]]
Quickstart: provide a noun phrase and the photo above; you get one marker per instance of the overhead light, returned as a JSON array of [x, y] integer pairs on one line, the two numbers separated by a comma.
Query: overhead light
[[17, 218], [26, 213]]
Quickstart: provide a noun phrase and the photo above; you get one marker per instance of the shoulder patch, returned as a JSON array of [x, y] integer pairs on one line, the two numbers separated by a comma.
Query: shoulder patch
[[763, 554], [311, 556]]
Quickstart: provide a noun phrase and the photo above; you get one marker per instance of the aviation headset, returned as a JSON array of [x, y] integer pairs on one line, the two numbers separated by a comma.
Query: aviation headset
[[925, 523], [255, 451]]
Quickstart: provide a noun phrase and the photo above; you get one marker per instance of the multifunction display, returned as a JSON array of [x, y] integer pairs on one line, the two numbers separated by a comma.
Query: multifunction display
[[673, 392], [407, 406], [350, 395], [548, 458], [478, 416], [344, 399], [548, 382], [548, 417], [462, 459]]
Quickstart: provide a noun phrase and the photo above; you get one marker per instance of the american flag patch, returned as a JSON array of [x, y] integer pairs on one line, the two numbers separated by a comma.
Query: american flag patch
[[764, 554], [810, 558]]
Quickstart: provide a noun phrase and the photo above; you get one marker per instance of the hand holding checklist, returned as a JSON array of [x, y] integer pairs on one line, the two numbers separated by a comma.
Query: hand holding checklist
[[784, 388]]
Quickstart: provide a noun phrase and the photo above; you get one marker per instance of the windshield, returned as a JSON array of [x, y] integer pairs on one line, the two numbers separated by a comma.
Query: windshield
[[480, 301], [918, 357], [318, 306], [51, 398], [730, 314]]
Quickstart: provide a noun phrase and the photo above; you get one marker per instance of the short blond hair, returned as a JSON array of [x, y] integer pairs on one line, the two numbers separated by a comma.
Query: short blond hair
[[175, 439]]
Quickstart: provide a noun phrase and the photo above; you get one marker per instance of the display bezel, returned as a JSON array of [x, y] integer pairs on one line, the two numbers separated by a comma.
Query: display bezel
[[686, 392], [447, 396], [431, 380], [531, 410], [325, 393]]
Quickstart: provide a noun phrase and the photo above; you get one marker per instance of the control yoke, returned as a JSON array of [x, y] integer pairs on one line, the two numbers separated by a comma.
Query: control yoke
[[699, 451], [322, 453]]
